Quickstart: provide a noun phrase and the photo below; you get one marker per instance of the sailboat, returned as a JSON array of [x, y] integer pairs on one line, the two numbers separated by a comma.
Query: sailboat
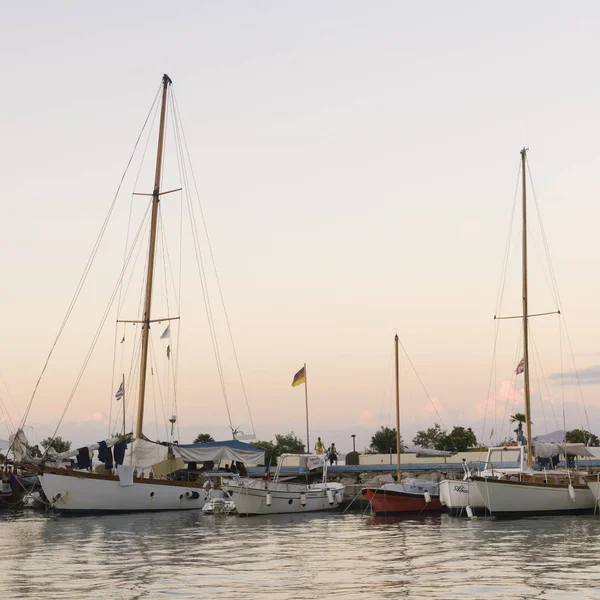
[[135, 487], [266, 497], [528, 492], [412, 496]]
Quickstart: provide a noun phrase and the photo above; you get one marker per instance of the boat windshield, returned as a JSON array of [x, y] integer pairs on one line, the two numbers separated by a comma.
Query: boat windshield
[[508, 457]]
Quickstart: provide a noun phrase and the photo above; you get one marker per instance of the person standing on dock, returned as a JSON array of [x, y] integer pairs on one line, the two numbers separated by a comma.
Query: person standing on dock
[[319, 446], [332, 453]]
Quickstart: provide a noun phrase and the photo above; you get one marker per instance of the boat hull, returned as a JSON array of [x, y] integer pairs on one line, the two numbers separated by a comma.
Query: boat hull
[[456, 495], [283, 499], [86, 494], [593, 483], [523, 498], [390, 502]]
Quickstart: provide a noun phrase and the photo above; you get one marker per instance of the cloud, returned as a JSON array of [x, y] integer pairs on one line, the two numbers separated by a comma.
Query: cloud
[[365, 415], [97, 416], [585, 376]]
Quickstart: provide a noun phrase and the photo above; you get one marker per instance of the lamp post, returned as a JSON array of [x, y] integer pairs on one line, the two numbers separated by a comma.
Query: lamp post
[[353, 436]]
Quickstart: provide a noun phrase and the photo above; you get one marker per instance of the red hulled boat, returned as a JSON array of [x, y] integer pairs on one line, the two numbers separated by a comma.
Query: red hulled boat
[[392, 498]]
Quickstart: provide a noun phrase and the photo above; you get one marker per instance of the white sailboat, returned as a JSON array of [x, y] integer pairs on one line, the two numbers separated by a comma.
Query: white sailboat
[[81, 491], [529, 492], [265, 497]]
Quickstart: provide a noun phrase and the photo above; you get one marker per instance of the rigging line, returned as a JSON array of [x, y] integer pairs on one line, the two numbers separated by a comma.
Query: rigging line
[[422, 384], [535, 365], [176, 358], [203, 282], [496, 333], [200, 263], [176, 109], [543, 270], [6, 417], [135, 262], [512, 382], [153, 390], [168, 260], [504, 270], [9, 396], [87, 268], [112, 377], [562, 375], [544, 240], [160, 395], [98, 331], [166, 290], [558, 299], [125, 249], [386, 388], [172, 359], [539, 360]]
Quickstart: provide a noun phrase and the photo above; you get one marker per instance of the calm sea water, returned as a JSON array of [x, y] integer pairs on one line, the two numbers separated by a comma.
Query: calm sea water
[[190, 555]]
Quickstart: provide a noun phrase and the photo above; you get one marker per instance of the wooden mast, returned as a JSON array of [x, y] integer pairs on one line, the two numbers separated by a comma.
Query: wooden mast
[[398, 447], [306, 400], [525, 313], [151, 252]]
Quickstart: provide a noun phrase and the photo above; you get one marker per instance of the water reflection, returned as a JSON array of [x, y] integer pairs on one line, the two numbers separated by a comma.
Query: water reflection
[[285, 557]]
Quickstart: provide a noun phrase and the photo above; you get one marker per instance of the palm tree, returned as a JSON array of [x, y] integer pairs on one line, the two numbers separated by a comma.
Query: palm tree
[[518, 418]]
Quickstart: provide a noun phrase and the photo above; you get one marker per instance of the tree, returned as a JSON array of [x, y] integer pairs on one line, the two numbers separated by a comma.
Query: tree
[[384, 440], [289, 443], [57, 443], [202, 438], [581, 436], [270, 452], [33, 451], [429, 438], [458, 440]]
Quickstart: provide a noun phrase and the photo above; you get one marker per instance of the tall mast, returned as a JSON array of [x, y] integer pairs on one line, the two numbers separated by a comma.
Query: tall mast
[[525, 313], [398, 447], [306, 400], [151, 252]]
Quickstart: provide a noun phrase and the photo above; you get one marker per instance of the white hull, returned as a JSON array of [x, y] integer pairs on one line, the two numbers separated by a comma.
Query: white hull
[[283, 498], [509, 498], [72, 494], [594, 486], [456, 495]]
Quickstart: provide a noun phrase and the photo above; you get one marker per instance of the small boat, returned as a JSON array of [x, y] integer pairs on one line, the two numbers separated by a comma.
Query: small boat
[[219, 506], [411, 496], [266, 497]]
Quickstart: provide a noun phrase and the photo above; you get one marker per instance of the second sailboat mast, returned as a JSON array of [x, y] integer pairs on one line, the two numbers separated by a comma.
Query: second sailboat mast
[[398, 446], [151, 253]]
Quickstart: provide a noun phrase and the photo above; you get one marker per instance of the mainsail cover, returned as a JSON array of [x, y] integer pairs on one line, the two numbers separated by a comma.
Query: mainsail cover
[[546, 450], [232, 450]]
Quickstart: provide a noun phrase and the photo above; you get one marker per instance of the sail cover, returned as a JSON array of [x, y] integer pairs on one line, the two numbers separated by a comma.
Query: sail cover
[[546, 450], [233, 450]]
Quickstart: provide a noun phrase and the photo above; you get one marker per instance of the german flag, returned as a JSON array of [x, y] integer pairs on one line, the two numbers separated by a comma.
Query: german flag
[[299, 377]]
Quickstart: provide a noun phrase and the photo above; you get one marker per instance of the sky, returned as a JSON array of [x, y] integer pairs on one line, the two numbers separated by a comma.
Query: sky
[[357, 167]]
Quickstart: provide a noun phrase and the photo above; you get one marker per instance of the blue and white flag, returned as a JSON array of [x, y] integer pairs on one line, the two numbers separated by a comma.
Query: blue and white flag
[[120, 392], [166, 333], [520, 367]]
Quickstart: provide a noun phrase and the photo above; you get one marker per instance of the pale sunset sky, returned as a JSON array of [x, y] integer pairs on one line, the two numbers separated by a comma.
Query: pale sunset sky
[[356, 163]]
